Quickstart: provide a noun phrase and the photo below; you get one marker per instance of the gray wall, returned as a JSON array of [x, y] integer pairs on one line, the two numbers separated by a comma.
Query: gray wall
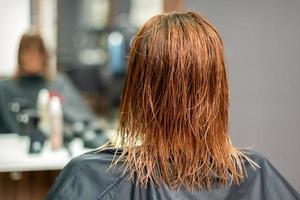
[[262, 47]]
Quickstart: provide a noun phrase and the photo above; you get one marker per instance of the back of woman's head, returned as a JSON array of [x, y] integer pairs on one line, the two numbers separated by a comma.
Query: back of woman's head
[[174, 109]]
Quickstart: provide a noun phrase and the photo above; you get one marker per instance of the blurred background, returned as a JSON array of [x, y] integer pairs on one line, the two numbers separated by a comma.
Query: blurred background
[[87, 42]]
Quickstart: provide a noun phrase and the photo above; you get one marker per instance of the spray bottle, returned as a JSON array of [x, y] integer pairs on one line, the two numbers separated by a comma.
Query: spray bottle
[[56, 123]]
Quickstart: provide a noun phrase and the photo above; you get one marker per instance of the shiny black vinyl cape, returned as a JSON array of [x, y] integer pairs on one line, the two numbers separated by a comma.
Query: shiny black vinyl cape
[[86, 177]]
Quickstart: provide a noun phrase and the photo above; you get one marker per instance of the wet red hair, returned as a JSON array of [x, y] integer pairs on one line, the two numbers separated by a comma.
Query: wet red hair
[[174, 109]]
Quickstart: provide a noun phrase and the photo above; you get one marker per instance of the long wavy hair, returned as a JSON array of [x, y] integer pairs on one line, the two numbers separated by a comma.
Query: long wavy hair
[[174, 109]]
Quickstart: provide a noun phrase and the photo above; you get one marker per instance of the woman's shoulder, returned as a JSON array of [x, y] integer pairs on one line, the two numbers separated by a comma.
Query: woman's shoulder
[[255, 156], [103, 156], [97, 161], [262, 180], [7, 82], [87, 176]]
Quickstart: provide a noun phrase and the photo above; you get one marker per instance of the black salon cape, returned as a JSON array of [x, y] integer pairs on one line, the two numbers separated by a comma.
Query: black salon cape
[[86, 177]]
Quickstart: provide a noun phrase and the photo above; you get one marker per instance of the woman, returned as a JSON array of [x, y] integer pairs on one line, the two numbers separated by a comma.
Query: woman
[[173, 127], [33, 74]]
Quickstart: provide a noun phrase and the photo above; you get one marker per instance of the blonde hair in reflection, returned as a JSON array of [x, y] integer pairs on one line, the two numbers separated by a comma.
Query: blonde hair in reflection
[[174, 109]]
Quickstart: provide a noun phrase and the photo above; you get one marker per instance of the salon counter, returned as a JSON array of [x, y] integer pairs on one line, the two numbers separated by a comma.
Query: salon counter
[[29, 176], [14, 156]]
